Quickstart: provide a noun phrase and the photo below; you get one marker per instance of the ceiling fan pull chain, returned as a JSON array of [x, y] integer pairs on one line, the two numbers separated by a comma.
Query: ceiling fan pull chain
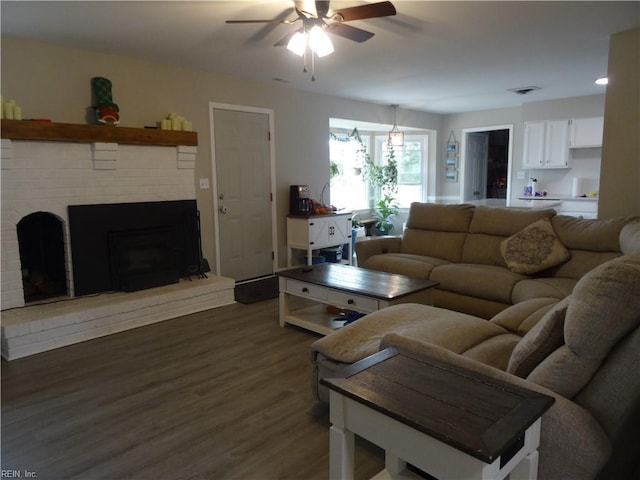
[[313, 67]]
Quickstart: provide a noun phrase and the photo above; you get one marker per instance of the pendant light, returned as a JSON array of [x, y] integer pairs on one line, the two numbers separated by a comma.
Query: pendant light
[[396, 137]]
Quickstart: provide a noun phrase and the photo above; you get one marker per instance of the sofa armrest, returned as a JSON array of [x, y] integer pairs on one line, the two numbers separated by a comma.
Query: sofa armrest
[[573, 445], [376, 246]]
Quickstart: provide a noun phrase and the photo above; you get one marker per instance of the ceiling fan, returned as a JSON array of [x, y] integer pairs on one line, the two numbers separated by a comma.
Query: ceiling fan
[[316, 24]]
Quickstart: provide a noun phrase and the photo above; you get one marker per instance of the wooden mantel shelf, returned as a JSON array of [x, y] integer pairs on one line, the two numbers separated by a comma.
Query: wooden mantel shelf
[[69, 132]]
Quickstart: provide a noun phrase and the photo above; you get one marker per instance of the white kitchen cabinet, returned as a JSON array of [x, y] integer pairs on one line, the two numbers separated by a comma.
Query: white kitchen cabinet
[[586, 132], [546, 144], [316, 232], [579, 208]]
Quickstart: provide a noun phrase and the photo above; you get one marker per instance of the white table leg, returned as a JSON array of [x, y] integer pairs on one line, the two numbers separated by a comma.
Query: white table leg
[[527, 469], [341, 453], [395, 466]]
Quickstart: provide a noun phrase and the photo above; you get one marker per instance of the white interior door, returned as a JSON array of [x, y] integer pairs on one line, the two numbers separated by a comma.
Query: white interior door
[[477, 153], [243, 193]]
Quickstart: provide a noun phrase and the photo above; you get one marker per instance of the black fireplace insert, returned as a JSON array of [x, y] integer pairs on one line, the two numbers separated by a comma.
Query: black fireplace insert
[[133, 246]]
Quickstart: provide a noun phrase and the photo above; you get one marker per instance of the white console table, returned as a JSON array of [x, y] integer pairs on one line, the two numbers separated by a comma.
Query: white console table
[[314, 232]]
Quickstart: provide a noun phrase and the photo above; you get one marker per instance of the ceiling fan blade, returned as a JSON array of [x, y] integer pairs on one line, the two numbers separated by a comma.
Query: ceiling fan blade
[[286, 38], [349, 32], [262, 21], [361, 12]]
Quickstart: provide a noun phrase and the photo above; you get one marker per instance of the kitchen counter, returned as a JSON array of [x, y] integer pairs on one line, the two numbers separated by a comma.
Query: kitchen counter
[[560, 198], [518, 203]]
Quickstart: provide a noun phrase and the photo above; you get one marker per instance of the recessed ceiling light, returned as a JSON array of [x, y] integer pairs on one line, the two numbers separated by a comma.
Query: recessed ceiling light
[[602, 81]]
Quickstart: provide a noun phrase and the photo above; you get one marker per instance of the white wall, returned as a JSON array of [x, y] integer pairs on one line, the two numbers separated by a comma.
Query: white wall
[[558, 181], [620, 180], [55, 82]]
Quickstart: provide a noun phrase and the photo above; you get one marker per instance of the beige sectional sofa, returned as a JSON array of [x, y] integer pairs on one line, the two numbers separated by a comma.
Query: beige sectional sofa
[[584, 350], [571, 330], [460, 247]]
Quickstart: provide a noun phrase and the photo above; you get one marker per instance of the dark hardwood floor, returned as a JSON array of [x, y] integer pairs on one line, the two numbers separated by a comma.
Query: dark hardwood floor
[[222, 394]]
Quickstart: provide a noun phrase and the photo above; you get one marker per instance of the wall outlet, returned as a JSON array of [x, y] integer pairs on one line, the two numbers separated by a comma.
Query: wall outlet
[[204, 184], [520, 176]]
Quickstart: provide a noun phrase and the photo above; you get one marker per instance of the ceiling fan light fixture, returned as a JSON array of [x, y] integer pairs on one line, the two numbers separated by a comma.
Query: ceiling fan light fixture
[[319, 42], [298, 43], [396, 137]]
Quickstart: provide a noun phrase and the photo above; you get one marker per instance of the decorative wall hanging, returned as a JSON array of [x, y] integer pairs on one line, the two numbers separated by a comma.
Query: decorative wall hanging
[[107, 112], [451, 159]]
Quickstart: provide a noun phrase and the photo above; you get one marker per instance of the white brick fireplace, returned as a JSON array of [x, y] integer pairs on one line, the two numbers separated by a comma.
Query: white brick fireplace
[[49, 176]]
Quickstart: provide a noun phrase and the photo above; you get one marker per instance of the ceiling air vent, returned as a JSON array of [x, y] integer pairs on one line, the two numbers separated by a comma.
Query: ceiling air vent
[[523, 90]]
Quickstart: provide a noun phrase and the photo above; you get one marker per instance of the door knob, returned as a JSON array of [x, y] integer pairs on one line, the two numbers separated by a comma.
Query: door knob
[[224, 209]]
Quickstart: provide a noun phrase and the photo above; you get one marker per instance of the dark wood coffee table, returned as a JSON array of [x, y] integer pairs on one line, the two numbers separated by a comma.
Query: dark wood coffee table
[[347, 287], [446, 420]]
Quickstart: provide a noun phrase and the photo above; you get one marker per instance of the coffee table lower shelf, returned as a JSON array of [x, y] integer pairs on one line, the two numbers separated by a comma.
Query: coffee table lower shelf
[[314, 318]]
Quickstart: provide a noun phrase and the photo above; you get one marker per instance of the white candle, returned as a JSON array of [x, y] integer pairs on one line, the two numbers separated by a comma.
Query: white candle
[[8, 109], [17, 113]]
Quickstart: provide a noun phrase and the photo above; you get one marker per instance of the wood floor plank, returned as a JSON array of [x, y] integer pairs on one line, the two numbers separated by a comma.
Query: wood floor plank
[[220, 394]]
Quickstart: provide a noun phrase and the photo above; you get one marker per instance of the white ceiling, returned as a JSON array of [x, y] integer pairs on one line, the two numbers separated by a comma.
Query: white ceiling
[[441, 57]]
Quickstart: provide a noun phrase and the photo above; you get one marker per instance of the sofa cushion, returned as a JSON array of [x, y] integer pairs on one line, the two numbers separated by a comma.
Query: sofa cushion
[[481, 281], [439, 217], [453, 330], [630, 237], [417, 266], [601, 235], [437, 230], [520, 318], [432, 243], [545, 337], [534, 248], [505, 222], [491, 225], [603, 308], [551, 287]]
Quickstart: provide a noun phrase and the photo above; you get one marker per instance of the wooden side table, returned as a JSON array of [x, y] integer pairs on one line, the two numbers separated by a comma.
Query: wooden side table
[[445, 420]]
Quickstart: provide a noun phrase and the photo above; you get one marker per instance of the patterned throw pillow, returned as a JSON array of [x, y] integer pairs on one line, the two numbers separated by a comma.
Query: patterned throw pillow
[[534, 248]]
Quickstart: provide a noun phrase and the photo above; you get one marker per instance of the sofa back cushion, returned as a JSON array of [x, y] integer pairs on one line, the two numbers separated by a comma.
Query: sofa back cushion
[[590, 242], [544, 338], [603, 309], [630, 237], [490, 226], [437, 230]]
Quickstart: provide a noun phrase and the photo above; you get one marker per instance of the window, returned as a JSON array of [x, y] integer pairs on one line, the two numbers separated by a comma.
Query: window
[[348, 187], [411, 167]]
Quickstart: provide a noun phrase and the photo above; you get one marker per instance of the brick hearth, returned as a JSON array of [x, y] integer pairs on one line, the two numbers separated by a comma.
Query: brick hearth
[[39, 328], [48, 176]]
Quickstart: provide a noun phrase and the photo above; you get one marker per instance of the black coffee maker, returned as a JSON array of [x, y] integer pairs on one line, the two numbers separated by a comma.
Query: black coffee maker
[[299, 201]]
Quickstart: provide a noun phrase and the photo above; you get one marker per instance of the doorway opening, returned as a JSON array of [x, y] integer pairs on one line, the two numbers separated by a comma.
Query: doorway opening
[[486, 162]]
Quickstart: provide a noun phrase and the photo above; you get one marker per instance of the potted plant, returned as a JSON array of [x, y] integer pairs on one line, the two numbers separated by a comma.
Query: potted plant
[[385, 179], [385, 209]]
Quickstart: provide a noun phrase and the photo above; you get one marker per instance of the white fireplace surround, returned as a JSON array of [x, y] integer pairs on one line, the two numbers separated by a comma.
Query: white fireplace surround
[[48, 176]]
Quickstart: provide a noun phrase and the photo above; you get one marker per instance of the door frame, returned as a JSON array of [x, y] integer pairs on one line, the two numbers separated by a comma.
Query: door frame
[[463, 155], [272, 170]]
